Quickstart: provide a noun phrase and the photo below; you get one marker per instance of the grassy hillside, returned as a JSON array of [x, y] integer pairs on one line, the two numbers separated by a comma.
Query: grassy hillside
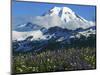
[[55, 60]]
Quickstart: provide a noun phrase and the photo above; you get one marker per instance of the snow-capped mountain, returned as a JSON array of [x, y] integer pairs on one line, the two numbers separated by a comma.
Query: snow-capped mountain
[[62, 17], [27, 27], [21, 32], [65, 13], [59, 24], [84, 32], [36, 35]]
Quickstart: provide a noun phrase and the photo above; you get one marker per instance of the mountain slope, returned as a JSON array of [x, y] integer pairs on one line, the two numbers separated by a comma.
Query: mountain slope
[[57, 26]]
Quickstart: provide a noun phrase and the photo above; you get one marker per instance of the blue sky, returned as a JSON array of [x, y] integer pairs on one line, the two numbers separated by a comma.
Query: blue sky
[[36, 9]]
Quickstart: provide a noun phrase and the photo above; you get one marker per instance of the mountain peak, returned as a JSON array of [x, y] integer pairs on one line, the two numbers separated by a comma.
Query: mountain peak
[[28, 27], [65, 13], [65, 9], [58, 10]]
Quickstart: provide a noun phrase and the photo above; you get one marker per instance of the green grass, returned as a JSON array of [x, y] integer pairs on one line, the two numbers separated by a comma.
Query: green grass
[[55, 60]]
